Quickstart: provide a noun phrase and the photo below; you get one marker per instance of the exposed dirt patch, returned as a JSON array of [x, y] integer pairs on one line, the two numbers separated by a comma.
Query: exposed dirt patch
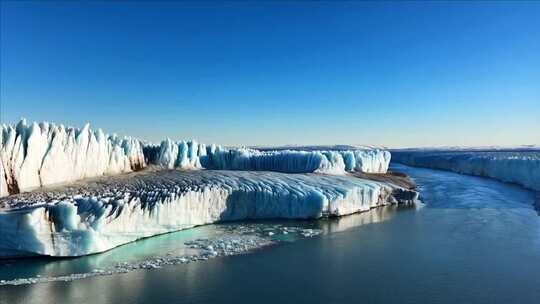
[[397, 178]]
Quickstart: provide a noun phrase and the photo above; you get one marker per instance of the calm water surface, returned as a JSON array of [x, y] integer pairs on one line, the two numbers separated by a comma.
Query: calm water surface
[[475, 241]]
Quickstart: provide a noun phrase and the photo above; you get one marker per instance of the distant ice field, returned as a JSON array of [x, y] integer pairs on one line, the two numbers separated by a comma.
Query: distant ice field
[[521, 167]]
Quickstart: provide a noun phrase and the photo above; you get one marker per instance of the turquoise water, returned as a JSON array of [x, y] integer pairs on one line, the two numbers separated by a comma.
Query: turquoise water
[[474, 241]]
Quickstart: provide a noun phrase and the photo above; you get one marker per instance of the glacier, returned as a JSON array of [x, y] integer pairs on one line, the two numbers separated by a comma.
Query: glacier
[[68, 191], [515, 166], [36, 155], [102, 213]]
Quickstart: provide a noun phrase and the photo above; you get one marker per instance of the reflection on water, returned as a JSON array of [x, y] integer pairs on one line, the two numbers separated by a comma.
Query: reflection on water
[[377, 215]]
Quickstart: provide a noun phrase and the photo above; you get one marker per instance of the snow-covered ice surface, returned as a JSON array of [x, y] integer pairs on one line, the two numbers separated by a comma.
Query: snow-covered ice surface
[[100, 214], [520, 166], [192, 155], [36, 155]]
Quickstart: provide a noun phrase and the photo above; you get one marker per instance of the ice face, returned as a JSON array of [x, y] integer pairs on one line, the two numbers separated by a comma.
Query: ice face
[[191, 155], [520, 167], [43, 154], [95, 217]]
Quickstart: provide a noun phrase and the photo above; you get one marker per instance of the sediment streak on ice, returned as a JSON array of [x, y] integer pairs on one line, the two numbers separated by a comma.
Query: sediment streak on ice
[[92, 218]]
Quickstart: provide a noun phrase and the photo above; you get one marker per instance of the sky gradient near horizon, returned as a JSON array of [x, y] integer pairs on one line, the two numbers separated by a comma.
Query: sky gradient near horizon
[[269, 73]]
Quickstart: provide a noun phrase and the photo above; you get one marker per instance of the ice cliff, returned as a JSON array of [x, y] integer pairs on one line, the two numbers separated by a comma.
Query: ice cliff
[[191, 155], [99, 215], [35, 155], [520, 167]]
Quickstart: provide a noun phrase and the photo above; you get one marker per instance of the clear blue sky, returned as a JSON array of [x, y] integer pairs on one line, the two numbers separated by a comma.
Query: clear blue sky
[[395, 74]]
